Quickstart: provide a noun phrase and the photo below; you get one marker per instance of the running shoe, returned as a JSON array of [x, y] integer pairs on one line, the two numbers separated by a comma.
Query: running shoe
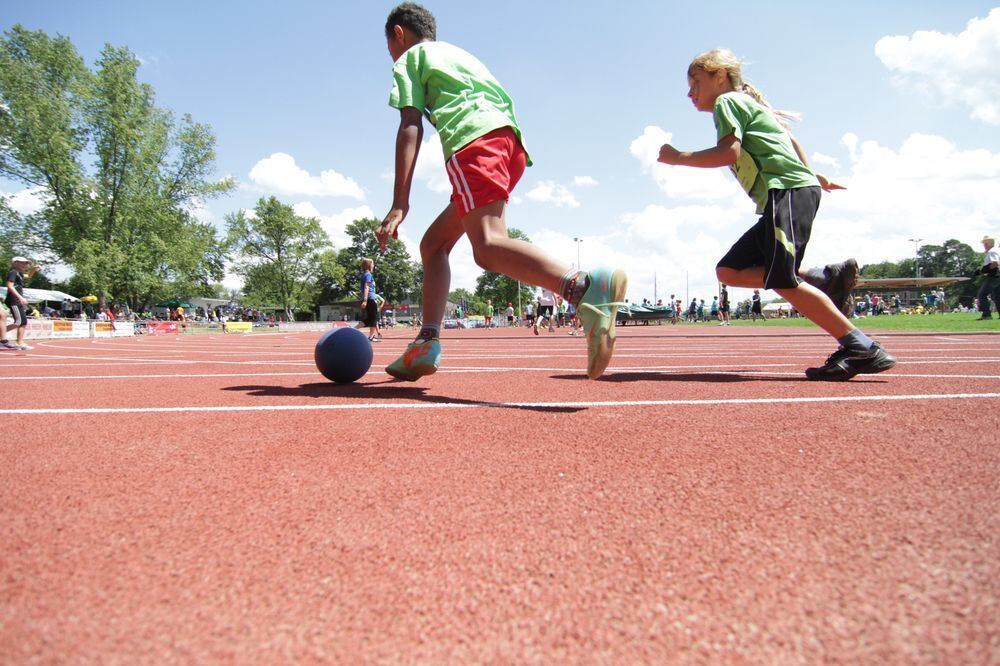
[[844, 364], [838, 283], [24, 347], [421, 358], [597, 311], [7, 344]]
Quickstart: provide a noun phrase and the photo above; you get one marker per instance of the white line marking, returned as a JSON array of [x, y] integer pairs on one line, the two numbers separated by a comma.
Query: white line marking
[[667, 370], [501, 405]]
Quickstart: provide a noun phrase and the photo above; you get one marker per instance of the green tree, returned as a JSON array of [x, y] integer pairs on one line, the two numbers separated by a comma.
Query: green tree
[[471, 303], [503, 290], [885, 269], [330, 279], [118, 175], [395, 272], [278, 254]]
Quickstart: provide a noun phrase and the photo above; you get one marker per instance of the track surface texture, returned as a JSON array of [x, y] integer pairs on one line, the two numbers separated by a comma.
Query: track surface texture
[[203, 499]]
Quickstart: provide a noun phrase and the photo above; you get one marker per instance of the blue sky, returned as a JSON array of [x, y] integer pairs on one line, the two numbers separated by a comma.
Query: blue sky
[[900, 102]]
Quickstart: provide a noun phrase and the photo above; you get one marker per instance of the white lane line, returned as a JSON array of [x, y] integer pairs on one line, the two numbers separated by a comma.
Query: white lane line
[[670, 370], [501, 405]]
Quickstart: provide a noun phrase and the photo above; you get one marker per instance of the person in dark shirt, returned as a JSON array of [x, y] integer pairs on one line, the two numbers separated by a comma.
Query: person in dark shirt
[[15, 299]]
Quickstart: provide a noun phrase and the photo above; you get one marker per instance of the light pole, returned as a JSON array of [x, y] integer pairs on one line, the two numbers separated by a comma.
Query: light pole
[[578, 241], [916, 255]]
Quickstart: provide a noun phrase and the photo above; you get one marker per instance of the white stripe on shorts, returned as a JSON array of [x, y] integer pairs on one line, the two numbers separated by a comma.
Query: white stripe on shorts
[[459, 183]]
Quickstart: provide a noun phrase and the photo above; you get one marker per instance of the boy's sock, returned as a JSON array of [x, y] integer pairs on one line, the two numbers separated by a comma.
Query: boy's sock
[[856, 341], [428, 332], [573, 286]]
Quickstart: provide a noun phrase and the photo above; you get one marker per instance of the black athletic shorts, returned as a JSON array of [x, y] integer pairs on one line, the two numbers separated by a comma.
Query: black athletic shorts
[[778, 240], [19, 314], [544, 311], [371, 313]]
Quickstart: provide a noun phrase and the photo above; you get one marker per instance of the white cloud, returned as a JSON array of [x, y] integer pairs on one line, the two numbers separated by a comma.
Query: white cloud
[[585, 181], [430, 166], [676, 181], [280, 173], [550, 192], [825, 160], [928, 188], [27, 201], [954, 68], [334, 225]]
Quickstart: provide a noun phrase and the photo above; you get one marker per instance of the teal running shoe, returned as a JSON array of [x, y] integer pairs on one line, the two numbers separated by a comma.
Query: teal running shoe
[[421, 358], [597, 311]]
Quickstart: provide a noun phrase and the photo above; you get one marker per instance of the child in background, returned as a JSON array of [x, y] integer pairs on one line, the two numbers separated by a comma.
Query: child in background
[[485, 157], [771, 166], [369, 300]]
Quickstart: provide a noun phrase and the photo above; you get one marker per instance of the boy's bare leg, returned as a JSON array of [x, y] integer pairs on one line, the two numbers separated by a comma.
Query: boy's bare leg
[[810, 301], [495, 251], [435, 248]]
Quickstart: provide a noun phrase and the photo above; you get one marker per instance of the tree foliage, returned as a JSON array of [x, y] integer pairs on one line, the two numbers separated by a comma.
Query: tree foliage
[[951, 259], [117, 174], [503, 290], [395, 273], [279, 255]]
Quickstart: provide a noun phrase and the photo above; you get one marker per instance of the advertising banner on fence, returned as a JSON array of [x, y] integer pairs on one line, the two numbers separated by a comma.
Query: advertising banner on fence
[[37, 328], [102, 329], [238, 327], [161, 327], [62, 328], [124, 329]]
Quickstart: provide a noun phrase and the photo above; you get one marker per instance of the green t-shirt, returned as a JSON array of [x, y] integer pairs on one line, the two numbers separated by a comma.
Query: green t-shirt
[[767, 158], [456, 92]]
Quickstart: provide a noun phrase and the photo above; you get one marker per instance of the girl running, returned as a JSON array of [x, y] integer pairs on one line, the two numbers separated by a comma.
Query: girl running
[[770, 165]]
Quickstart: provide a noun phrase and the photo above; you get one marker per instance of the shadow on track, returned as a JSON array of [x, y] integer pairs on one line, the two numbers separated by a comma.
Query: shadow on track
[[703, 377], [388, 390]]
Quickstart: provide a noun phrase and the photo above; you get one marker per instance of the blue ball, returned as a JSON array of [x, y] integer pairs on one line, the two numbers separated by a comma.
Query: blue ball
[[343, 355]]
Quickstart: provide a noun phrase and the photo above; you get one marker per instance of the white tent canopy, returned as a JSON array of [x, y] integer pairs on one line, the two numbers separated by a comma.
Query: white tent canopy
[[39, 295]]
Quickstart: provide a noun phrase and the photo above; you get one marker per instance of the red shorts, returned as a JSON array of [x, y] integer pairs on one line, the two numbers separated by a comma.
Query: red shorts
[[486, 170]]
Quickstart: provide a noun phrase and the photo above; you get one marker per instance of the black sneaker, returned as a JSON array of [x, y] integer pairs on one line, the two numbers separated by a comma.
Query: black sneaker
[[839, 285], [7, 344], [843, 364]]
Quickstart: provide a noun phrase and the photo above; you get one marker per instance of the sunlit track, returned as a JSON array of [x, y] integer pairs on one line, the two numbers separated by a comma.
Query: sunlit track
[[222, 472], [690, 360]]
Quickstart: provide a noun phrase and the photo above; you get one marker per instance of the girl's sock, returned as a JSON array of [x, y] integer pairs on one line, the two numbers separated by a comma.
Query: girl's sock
[[856, 341]]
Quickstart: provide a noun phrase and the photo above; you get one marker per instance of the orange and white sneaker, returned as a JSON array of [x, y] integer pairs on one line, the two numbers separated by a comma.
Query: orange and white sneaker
[[598, 311], [421, 358]]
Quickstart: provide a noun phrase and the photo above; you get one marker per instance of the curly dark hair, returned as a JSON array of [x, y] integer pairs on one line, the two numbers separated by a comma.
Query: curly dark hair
[[413, 16]]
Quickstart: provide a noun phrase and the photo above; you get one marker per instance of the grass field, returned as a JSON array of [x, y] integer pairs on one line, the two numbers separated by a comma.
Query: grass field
[[962, 322]]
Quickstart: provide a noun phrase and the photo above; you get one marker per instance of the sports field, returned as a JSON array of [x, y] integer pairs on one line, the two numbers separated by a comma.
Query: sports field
[[205, 499]]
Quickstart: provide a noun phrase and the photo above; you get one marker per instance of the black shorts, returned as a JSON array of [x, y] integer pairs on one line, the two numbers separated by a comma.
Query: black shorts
[[544, 311], [371, 313], [19, 315], [778, 240]]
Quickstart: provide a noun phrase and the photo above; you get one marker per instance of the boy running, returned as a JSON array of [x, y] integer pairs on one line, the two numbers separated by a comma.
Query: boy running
[[485, 157]]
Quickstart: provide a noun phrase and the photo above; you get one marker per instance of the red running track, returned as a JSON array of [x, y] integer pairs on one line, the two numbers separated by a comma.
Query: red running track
[[213, 499]]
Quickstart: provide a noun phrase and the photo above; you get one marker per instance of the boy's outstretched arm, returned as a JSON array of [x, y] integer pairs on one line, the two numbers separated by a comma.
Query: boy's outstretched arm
[[408, 138], [827, 185], [724, 154]]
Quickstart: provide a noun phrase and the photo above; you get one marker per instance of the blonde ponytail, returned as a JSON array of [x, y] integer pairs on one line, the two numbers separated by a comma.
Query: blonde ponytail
[[724, 59]]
